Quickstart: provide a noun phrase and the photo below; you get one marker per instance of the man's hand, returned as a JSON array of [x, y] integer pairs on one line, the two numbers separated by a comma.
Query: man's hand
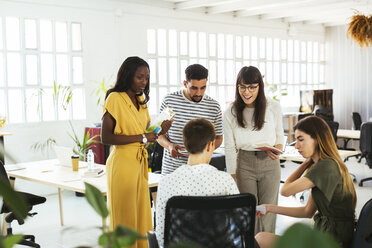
[[173, 150], [165, 125]]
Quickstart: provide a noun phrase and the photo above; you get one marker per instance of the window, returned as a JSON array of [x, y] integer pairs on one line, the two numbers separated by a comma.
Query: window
[[41, 65], [289, 65]]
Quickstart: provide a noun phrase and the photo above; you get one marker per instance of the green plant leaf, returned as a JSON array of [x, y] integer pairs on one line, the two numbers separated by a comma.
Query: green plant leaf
[[301, 235], [10, 241], [126, 236], [13, 200], [96, 200]]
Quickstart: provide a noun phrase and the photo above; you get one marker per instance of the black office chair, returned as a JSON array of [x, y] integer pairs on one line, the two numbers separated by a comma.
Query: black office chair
[[333, 125], [218, 161], [323, 112], [32, 200], [363, 231], [156, 158], [357, 120], [209, 221], [366, 146]]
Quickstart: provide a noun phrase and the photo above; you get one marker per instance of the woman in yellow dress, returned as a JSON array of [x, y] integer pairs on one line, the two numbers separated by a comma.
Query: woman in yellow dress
[[124, 123]]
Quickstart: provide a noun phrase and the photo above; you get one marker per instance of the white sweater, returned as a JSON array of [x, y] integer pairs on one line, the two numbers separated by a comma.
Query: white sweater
[[236, 137]]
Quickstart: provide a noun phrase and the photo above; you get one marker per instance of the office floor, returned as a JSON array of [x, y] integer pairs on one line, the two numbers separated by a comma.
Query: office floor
[[81, 222]]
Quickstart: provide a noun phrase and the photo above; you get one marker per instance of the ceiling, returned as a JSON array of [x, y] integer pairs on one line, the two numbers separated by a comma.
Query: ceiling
[[324, 12]]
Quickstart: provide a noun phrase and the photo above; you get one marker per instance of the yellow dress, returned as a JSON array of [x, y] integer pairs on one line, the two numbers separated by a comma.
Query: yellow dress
[[127, 168]]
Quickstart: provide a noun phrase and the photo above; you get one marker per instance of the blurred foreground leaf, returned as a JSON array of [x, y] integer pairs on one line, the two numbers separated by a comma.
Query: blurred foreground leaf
[[302, 236]]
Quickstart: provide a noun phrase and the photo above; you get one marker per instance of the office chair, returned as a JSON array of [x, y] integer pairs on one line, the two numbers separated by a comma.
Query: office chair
[[357, 120], [363, 231], [156, 158], [323, 112], [32, 200], [366, 146], [209, 221], [218, 161], [333, 125]]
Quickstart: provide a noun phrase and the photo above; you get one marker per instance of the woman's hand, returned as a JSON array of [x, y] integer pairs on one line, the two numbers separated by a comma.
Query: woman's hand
[[165, 125], [262, 210], [151, 137], [272, 155]]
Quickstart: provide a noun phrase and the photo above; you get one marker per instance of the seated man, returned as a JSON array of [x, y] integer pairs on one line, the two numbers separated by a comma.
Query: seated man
[[197, 178]]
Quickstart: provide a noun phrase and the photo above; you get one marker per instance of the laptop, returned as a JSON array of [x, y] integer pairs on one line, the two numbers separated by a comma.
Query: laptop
[[64, 154]]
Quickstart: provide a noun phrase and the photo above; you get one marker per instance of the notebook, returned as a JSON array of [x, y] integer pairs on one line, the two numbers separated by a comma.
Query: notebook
[[64, 154]]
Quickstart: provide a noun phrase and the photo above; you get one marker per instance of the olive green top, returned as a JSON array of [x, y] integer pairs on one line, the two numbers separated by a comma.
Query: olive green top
[[335, 210]]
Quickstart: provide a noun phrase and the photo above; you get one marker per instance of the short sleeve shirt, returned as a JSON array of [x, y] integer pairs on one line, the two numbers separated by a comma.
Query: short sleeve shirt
[[187, 110], [195, 180], [335, 209]]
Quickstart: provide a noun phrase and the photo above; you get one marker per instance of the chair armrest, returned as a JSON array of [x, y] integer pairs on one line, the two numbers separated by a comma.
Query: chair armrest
[[152, 240]]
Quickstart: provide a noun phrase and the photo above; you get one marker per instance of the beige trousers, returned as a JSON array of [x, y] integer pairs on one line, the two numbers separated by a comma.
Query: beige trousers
[[259, 175]]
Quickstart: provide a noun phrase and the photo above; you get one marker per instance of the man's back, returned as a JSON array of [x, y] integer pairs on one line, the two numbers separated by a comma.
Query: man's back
[[196, 180]]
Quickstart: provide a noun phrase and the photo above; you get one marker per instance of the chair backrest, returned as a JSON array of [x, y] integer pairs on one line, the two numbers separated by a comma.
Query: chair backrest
[[333, 125], [357, 120], [302, 116], [156, 159], [366, 137], [323, 112], [3, 174], [211, 221], [218, 161], [363, 232]]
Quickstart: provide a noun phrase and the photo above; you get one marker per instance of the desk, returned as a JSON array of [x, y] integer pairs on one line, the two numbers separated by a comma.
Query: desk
[[48, 172], [291, 154], [347, 135], [2, 149]]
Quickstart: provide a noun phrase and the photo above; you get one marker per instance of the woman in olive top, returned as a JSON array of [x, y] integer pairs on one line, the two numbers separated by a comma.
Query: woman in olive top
[[332, 197]]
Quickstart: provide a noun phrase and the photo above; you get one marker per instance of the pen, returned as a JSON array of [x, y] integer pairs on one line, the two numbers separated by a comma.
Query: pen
[[47, 171]]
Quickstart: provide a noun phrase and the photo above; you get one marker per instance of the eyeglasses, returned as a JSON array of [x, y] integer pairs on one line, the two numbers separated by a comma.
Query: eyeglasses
[[250, 88]]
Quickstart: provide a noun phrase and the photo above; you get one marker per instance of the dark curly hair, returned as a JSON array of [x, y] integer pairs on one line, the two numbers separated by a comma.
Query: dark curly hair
[[196, 71], [126, 74]]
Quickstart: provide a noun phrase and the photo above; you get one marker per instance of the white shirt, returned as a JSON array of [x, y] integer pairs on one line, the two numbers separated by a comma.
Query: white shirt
[[195, 180], [237, 137]]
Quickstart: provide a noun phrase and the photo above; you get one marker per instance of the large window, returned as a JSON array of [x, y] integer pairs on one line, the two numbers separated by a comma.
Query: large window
[[41, 70], [288, 65]]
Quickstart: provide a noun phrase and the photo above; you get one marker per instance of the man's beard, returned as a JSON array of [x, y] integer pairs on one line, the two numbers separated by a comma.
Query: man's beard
[[194, 100]]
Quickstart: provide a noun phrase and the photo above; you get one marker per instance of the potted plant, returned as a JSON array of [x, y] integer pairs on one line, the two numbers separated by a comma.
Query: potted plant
[[82, 146], [360, 29]]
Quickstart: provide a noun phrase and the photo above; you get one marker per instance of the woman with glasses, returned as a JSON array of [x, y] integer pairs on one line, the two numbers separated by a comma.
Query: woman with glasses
[[253, 119]]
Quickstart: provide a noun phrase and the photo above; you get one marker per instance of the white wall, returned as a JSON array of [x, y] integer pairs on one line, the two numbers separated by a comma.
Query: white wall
[[113, 30], [349, 74]]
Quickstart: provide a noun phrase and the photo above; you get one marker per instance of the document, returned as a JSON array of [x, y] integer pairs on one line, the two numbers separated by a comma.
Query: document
[[267, 147]]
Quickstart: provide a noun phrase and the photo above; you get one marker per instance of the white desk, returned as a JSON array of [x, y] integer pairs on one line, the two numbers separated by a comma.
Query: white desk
[[50, 173], [291, 154], [347, 135]]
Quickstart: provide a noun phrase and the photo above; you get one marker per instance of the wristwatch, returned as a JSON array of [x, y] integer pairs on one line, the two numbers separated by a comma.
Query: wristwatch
[[144, 139]]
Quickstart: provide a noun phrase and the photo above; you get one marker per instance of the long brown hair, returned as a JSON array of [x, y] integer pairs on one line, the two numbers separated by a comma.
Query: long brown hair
[[319, 130], [250, 75], [126, 74]]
